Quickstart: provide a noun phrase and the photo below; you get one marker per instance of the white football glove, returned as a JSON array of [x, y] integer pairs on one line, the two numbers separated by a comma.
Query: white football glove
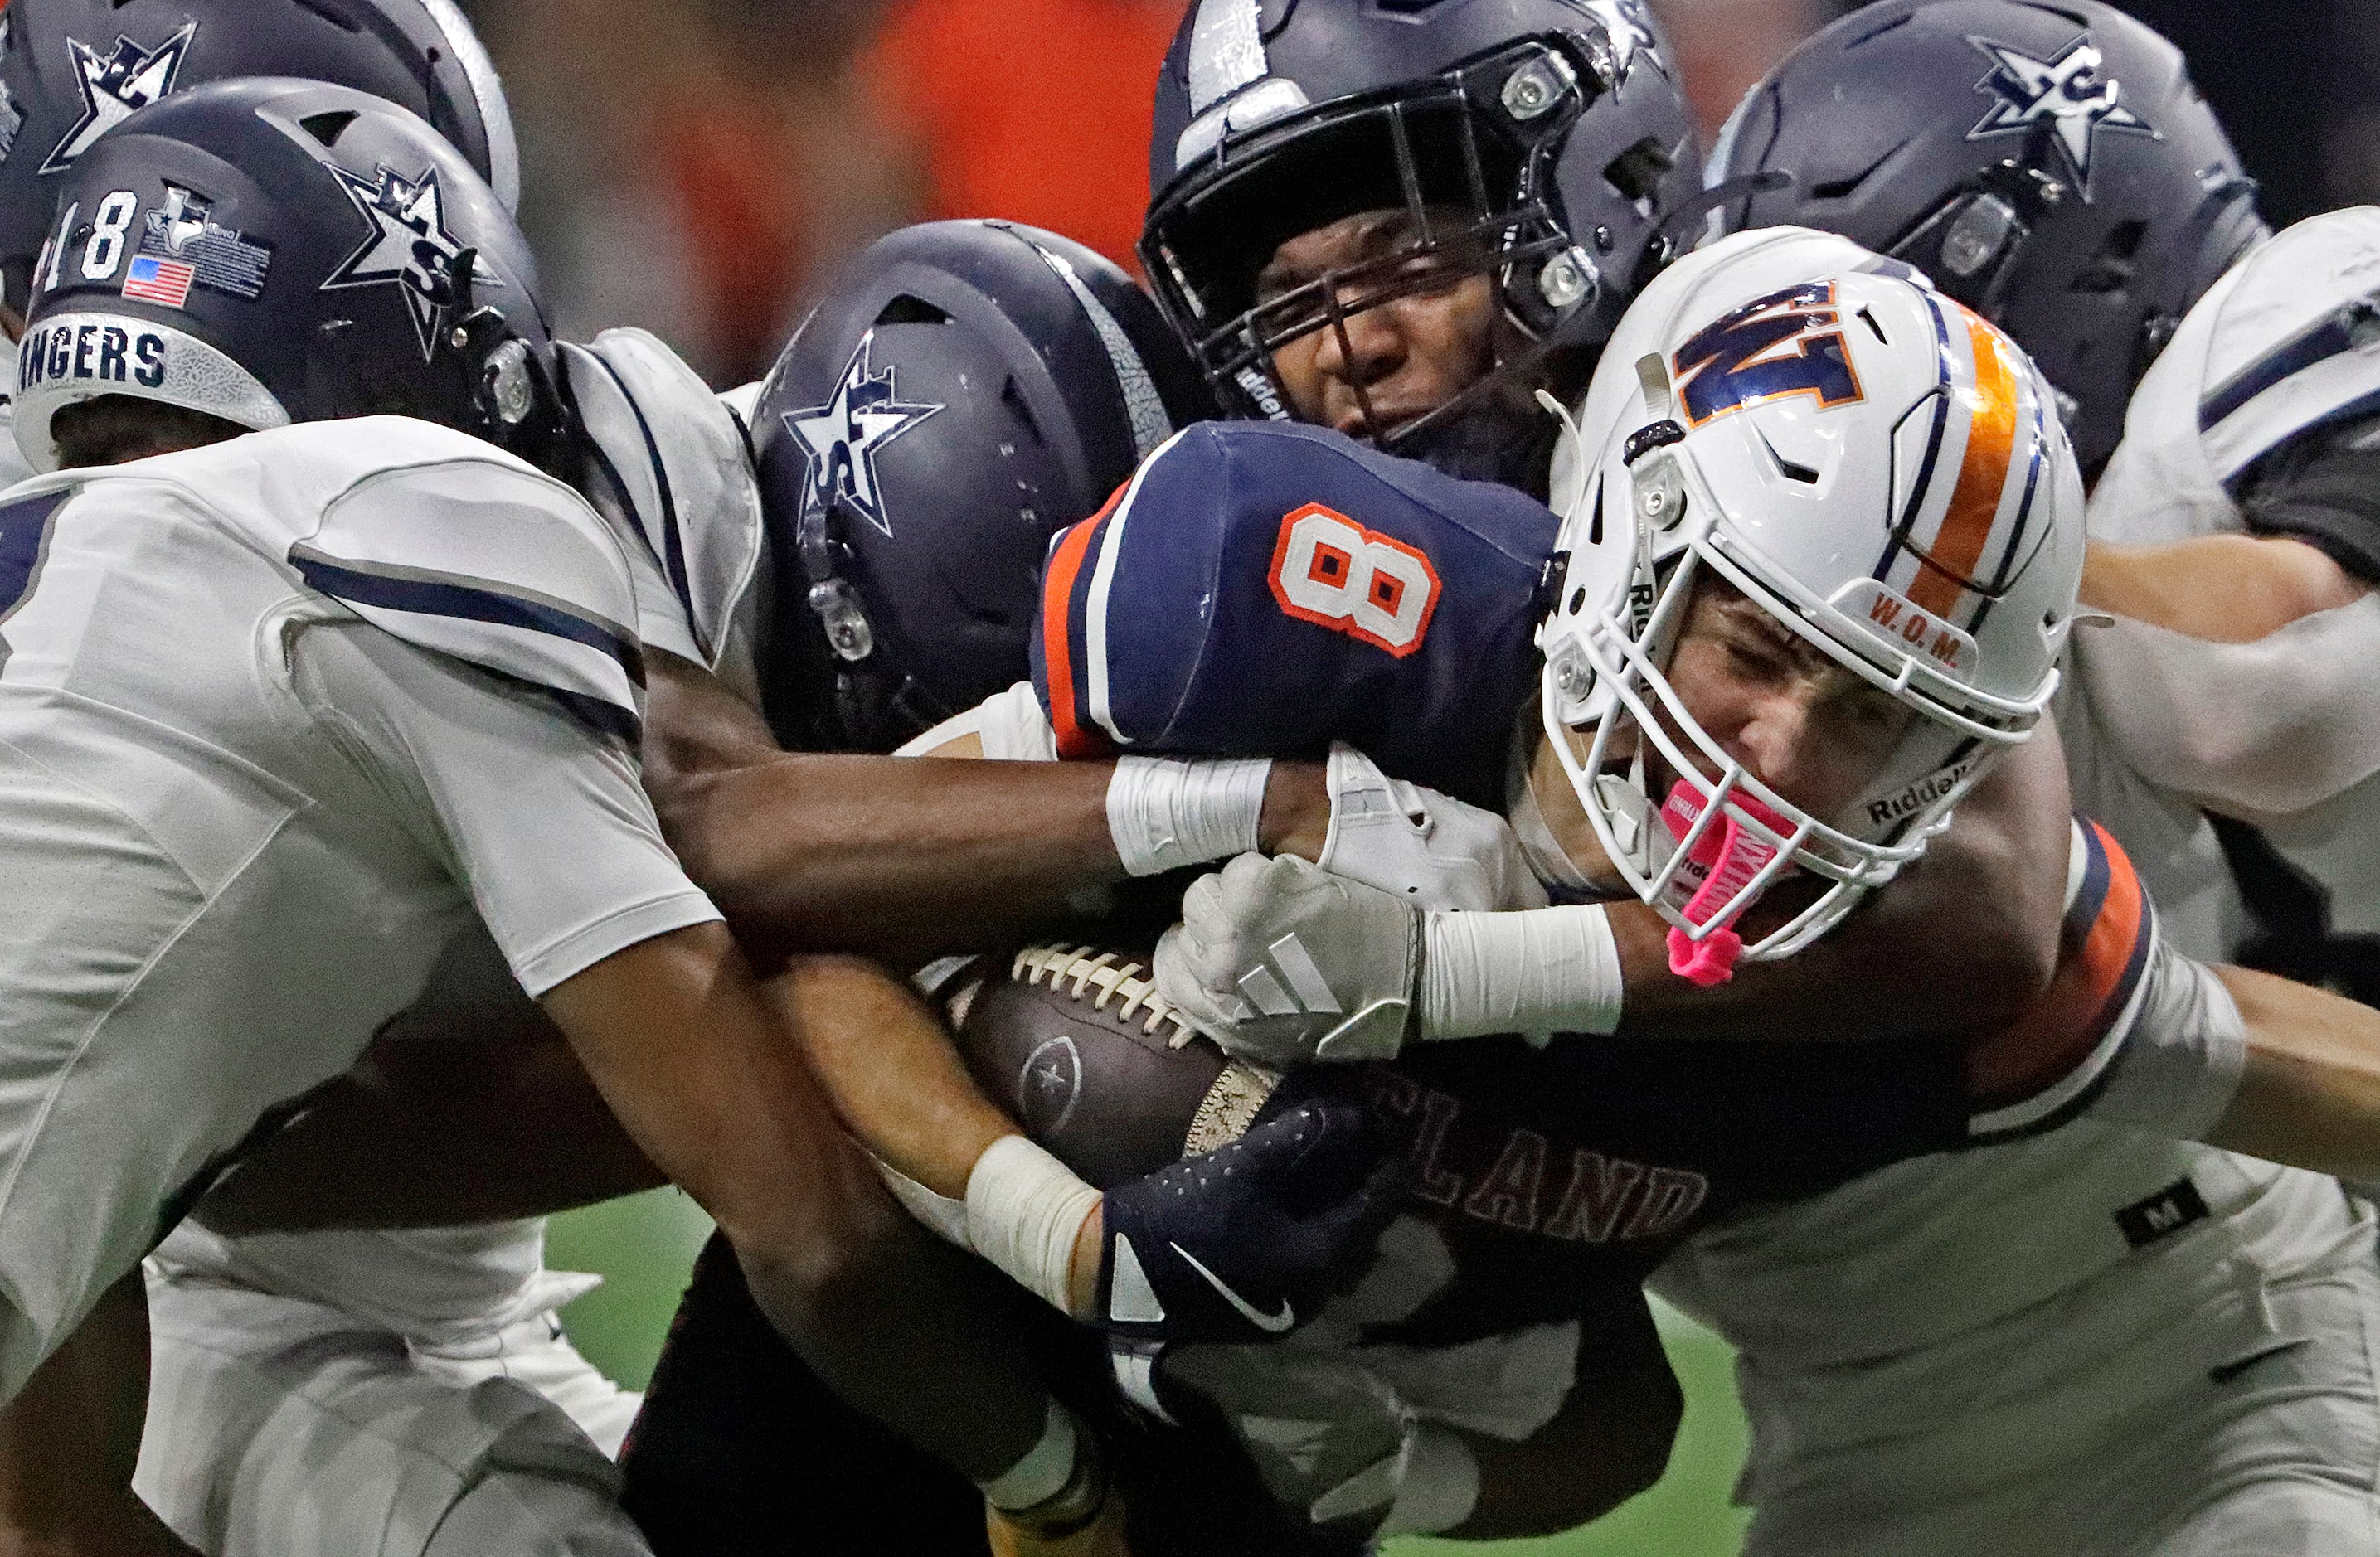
[[1280, 961], [1431, 849]]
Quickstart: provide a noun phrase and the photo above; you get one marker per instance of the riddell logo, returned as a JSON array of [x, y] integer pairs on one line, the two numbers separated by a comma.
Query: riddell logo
[[1915, 798]]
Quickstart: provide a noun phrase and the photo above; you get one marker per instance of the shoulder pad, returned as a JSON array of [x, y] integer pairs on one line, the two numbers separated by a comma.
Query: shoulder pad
[[480, 557], [684, 467], [2292, 340], [1263, 590]]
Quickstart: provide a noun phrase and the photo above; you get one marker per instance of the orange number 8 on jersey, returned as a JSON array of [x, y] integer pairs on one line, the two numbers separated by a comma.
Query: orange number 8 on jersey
[[1331, 571]]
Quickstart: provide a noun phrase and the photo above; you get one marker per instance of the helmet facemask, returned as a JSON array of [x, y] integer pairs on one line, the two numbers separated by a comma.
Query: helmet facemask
[[1468, 159]]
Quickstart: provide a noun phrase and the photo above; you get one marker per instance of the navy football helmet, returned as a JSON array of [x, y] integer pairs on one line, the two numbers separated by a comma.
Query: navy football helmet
[[966, 391], [71, 69], [2050, 165], [272, 250], [1557, 127]]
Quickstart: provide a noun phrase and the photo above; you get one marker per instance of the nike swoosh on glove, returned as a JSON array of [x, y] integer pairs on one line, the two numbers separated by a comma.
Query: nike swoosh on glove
[[1243, 1245], [1279, 961]]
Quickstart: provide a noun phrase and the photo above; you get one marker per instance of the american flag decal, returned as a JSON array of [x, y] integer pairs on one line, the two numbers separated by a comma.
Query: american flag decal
[[159, 280]]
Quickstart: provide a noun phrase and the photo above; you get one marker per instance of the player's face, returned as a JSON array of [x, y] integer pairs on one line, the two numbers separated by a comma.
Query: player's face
[[1404, 357], [1773, 701]]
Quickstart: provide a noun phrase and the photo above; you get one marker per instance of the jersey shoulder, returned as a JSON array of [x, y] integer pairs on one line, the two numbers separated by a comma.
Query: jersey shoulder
[[679, 459], [1263, 590], [2287, 340]]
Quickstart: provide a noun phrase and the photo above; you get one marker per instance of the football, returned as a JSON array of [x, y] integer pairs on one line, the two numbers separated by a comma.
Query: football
[[1079, 1048]]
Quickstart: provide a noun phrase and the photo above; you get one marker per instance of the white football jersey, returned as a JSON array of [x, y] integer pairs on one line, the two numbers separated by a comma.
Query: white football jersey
[[678, 492], [277, 717], [2287, 340]]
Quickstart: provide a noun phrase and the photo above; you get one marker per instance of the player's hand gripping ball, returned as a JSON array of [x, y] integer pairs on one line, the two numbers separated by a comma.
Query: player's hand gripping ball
[[1279, 961], [1222, 1224]]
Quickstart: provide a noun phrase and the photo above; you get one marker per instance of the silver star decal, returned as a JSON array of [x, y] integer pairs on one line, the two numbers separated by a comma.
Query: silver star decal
[[117, 85], [2069, 93], [842, 438], [410, 248], [1630, 28]]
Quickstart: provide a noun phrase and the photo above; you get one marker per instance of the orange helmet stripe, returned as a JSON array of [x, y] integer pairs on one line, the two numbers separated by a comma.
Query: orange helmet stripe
[[1958, 547]]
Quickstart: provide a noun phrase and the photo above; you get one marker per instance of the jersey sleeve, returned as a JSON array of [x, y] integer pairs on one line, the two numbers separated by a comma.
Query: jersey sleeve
[[495, 565], [541, 818], [2294, 341], [1263, 590], [2048, 1067]]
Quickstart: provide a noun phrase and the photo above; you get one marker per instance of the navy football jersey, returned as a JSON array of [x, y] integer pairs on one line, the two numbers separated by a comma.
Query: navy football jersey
[[1260, 587]]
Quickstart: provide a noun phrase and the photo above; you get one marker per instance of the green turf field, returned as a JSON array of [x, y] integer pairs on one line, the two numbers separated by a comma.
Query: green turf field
[[643, 1246]]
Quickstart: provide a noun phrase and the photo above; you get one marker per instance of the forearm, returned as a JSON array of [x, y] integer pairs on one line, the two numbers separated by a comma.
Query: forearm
[[2221, 589], [1978, 912], [902, 1090], [890, 856], [2309, 1094], [69, 1442], [469, 1107], [896, 1322], [443, 1134]]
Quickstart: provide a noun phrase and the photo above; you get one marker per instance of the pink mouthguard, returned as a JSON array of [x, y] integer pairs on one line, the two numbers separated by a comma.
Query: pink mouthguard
[[1729, 857]]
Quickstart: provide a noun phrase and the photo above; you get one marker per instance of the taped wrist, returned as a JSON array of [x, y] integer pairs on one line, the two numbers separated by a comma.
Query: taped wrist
[[1536, 971], [1024, 1209], [1164, 813], [1439, 1488], [2182, 1059]]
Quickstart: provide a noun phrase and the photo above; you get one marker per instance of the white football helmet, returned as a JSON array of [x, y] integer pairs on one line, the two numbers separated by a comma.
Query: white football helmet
[[1880, 470]]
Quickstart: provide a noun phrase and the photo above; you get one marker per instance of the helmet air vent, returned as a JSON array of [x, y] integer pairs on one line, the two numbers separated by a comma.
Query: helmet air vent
[[909, 309], [326, 128]]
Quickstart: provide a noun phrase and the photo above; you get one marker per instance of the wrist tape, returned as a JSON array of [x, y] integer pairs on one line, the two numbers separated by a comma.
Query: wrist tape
[[1164, 813], [1536, 971], [1025, 1209]]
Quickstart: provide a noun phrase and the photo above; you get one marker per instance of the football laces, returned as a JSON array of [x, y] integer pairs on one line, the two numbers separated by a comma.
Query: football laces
[[1099, 977]]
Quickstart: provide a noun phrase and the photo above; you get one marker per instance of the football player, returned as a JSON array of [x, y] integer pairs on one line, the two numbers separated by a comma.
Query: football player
[[409, 661]]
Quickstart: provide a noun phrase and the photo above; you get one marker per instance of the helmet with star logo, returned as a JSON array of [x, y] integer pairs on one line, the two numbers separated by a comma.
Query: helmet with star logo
[[274, 250], [965, 391], [2051, 166], [72, 70], [1546, 144]]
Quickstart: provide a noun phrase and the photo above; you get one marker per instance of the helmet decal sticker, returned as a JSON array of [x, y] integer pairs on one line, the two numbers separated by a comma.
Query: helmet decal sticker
[[841, 439], [2068, 93], [185, 230], [410, 248], [117, 85], [1741, 359], [1227, 51]]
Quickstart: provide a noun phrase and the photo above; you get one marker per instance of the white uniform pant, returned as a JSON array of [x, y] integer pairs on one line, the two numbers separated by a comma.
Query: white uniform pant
[[279, 1428], [2232, 1412]]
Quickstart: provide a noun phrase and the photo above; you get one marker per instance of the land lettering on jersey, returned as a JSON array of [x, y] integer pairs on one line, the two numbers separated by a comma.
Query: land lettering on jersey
[[96, 353], [1525, 1183]]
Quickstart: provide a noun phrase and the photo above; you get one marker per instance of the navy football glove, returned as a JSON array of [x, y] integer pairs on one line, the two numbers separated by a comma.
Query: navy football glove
[[1242, 1243]]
